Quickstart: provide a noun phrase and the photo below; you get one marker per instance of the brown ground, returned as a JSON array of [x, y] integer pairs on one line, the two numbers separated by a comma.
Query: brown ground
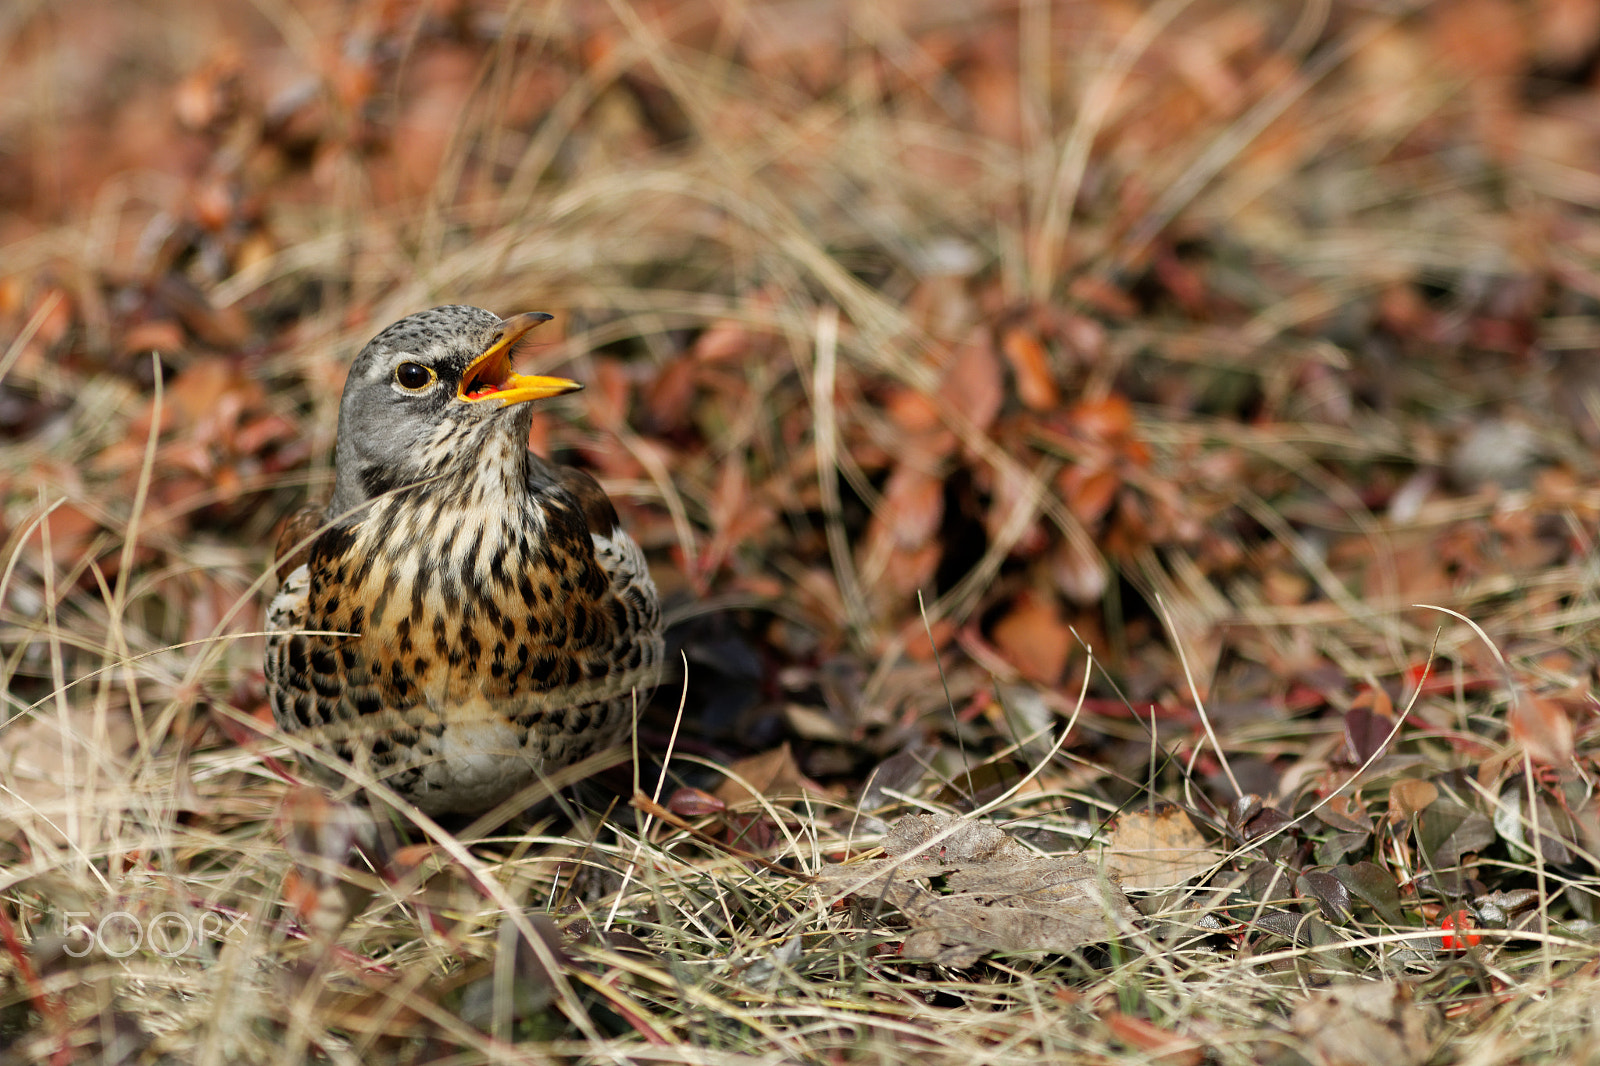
[[1220, 380]]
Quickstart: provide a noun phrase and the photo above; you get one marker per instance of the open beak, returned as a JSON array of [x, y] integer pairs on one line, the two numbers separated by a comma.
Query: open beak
[[490, 377]]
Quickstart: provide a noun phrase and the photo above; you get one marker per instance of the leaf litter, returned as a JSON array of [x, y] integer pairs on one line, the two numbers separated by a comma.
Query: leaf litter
[[1175, 361], [968, 889]]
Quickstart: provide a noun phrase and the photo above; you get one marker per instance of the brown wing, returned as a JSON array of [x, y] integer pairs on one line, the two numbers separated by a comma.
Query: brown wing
[[592, 499], [294, 543]]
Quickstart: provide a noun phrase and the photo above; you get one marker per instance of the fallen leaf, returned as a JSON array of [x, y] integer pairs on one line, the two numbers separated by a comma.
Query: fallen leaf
[[1363, 1024], [1034, 638], [1543, 728], [1364, 734], [1161, 1045], [974, 384], [689, 802], [1036, 386], [772, 773], [666, 402], [1410, 796], [1157, 847], [998, 896]]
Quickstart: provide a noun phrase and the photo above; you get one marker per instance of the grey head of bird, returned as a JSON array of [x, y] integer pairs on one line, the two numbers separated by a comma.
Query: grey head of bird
[[426, 394]]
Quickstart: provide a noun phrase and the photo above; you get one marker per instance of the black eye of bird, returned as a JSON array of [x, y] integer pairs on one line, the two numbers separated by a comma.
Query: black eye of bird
[[413, 376]]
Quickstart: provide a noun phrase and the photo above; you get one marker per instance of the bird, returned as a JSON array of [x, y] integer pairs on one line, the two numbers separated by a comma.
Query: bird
[[463, 617]]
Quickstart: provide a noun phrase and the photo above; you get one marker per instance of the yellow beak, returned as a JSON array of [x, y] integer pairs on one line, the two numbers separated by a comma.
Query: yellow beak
[[490, 377]]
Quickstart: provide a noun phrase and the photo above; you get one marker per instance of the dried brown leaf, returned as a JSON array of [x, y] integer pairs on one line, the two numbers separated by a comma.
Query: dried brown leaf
[[1411, 796], [772, 773], [1035, 638], [998, 895], [1542, 727], [1158, 847], [1363, 1024]]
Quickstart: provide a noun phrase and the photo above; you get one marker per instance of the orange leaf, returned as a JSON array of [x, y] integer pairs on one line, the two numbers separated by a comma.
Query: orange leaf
[[1089, 491], [1543, 729], [1036, 386], [1034, 638], [1108, 418], [1411, 796], [1160, 1044]]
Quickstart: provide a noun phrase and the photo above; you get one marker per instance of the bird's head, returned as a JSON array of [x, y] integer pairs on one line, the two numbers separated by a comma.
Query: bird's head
[[425, 395]]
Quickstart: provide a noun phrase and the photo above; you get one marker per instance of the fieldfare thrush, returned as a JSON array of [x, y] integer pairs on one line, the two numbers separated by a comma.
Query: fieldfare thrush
[[463, 617]]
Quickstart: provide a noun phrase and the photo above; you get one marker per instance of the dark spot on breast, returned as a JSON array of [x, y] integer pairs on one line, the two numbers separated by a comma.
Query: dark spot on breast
[[491, 612], [469, 562], [377, 479], [419, 589], [331, 545], [399, 685], [362, 567], [468, 641], [542, 670], [298, 666], [378, 606]]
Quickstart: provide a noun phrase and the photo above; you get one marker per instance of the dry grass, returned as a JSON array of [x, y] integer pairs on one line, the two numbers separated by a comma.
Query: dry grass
[[860, 295]]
